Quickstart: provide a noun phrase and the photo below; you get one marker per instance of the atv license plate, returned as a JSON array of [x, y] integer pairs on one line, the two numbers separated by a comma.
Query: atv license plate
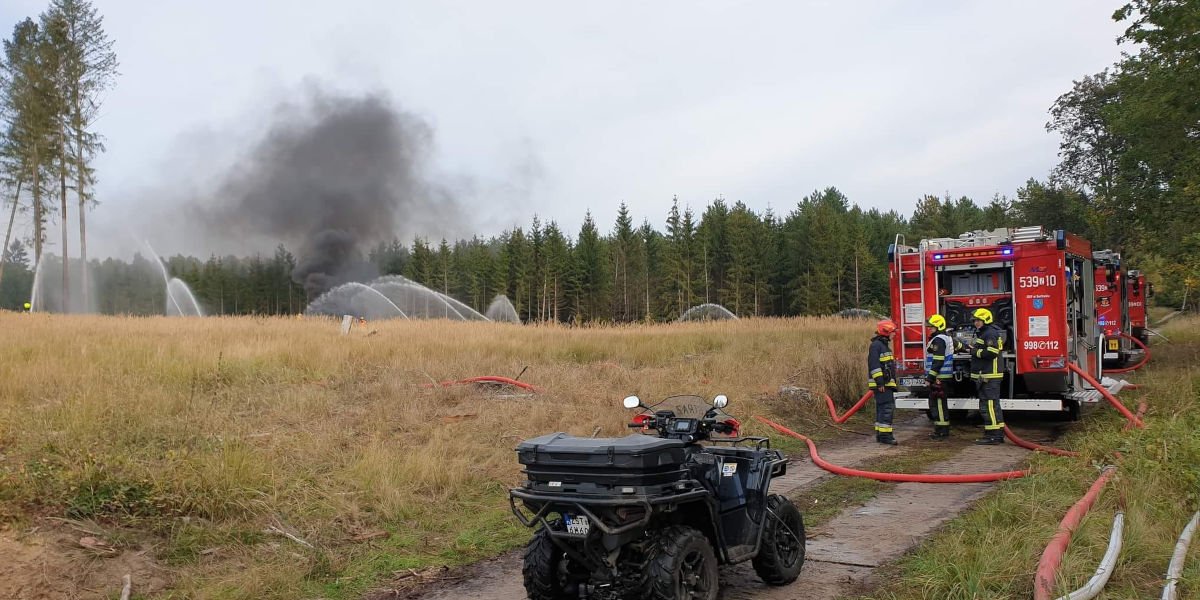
[[578, 525]]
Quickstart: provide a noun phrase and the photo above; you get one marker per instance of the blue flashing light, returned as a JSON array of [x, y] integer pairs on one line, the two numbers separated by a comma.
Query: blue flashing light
[[1006, 251], [938, 256]]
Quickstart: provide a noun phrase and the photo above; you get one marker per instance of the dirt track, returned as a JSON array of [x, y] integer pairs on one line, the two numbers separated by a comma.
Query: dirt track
[[841, 554]]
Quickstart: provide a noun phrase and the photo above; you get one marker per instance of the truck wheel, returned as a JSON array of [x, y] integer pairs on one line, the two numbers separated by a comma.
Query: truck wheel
[[781, 552], [683, 566], [543, 568]]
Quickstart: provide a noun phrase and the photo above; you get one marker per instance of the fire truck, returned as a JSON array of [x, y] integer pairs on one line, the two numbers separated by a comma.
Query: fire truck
[[1040, 288], [1114, 310], [1138, 292]]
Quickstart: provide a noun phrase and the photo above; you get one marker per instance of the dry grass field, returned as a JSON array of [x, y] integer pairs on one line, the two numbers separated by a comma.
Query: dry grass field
[[275, 458]]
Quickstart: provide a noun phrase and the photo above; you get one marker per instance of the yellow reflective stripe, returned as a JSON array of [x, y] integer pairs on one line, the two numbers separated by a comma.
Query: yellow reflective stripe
[[876, 372], [992, 376], [931, 373], [885, 358], [938, 356], [945, 376], [882, 429], [891, 384], [993, 427], [992, 412]]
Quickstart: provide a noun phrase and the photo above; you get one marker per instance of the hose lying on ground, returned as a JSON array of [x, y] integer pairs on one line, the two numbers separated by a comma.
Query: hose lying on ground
[[1145, 357], [1092, 588], [1043, 582], [1137, 422], [849, 413], [490, 379], [1175, 569], [900, 477], [1036, 447]]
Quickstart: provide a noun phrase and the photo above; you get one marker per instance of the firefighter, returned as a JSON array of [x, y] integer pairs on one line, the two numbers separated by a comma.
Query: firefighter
[[939, 370], [987, 374], [881, 365]]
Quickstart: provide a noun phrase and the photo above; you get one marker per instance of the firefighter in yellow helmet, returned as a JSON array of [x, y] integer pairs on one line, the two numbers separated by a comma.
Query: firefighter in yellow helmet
[[987, 375], [28, 307], [881, 367], [939, 370]]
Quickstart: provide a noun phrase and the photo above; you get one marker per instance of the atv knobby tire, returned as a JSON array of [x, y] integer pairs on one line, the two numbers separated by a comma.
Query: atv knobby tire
[[542, 567], [781, 552], [683, 565]]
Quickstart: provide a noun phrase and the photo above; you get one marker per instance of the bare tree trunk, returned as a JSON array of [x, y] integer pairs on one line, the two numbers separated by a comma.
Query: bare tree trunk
[[79, 192], [39, 215], [8, 234], [62, 193]]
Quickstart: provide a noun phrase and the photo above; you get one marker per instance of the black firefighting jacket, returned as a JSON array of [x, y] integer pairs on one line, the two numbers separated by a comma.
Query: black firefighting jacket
[[881, 364], [985, 353]]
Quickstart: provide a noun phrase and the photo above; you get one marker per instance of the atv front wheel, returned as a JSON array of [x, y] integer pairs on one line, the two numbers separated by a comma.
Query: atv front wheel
[[683, 567], [781, 552], [544, 566]]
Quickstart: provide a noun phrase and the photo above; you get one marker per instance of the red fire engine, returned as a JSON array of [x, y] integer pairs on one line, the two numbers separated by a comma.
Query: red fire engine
[[1039, 287], [1113, 310], [1138, 292]]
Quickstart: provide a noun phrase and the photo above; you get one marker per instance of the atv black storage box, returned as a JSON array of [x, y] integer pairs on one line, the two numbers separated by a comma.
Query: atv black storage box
[[562, 463]]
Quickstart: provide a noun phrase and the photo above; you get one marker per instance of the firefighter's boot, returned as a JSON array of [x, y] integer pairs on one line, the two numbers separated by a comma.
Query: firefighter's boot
[[886, 438], [991, 438], [940, 432]]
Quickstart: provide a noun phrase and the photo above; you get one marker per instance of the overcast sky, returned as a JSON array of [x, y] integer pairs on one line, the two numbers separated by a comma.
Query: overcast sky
[[559, 107]]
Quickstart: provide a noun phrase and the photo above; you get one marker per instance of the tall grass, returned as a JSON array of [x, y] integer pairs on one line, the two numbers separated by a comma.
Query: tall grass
[[210, 436], [992, 552]]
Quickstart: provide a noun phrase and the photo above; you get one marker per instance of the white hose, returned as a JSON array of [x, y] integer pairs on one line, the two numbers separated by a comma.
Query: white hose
[[1175, 569], [1094, 585]]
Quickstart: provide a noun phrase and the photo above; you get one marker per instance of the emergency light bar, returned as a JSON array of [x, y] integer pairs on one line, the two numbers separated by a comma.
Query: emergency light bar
[[1000, 252]]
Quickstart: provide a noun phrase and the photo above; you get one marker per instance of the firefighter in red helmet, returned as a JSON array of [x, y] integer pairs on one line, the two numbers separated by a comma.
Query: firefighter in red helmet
[[881, 365]]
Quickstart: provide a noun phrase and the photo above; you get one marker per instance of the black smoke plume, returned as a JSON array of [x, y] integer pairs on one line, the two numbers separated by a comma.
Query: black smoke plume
[[332, 176]]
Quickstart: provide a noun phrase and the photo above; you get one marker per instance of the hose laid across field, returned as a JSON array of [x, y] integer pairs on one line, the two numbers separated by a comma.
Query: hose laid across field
[[490, 379], [1145, 357], [897, 477], [849, 413], [1137, 422], [1175, 569], [1092, 588], [1043, 582], [1018, 440]]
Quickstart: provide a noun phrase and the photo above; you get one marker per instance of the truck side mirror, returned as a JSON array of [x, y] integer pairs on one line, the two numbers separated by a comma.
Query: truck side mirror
[[1110, 273]]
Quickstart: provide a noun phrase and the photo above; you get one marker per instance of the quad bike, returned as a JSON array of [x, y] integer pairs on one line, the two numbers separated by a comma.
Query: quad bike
[[649, 517]]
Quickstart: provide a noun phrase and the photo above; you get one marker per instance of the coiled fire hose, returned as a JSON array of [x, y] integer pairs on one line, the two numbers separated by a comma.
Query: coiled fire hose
[[1145, 357]]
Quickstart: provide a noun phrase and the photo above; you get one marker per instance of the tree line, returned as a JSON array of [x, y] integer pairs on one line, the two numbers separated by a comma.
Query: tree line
[[52, 74], [1128, 179]]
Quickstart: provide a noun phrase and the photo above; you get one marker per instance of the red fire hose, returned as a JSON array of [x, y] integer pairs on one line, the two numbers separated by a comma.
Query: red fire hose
[[901, 477], [1145, 357], [1043, 583], [1036, 447], [1137, 422], [849, 413]]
